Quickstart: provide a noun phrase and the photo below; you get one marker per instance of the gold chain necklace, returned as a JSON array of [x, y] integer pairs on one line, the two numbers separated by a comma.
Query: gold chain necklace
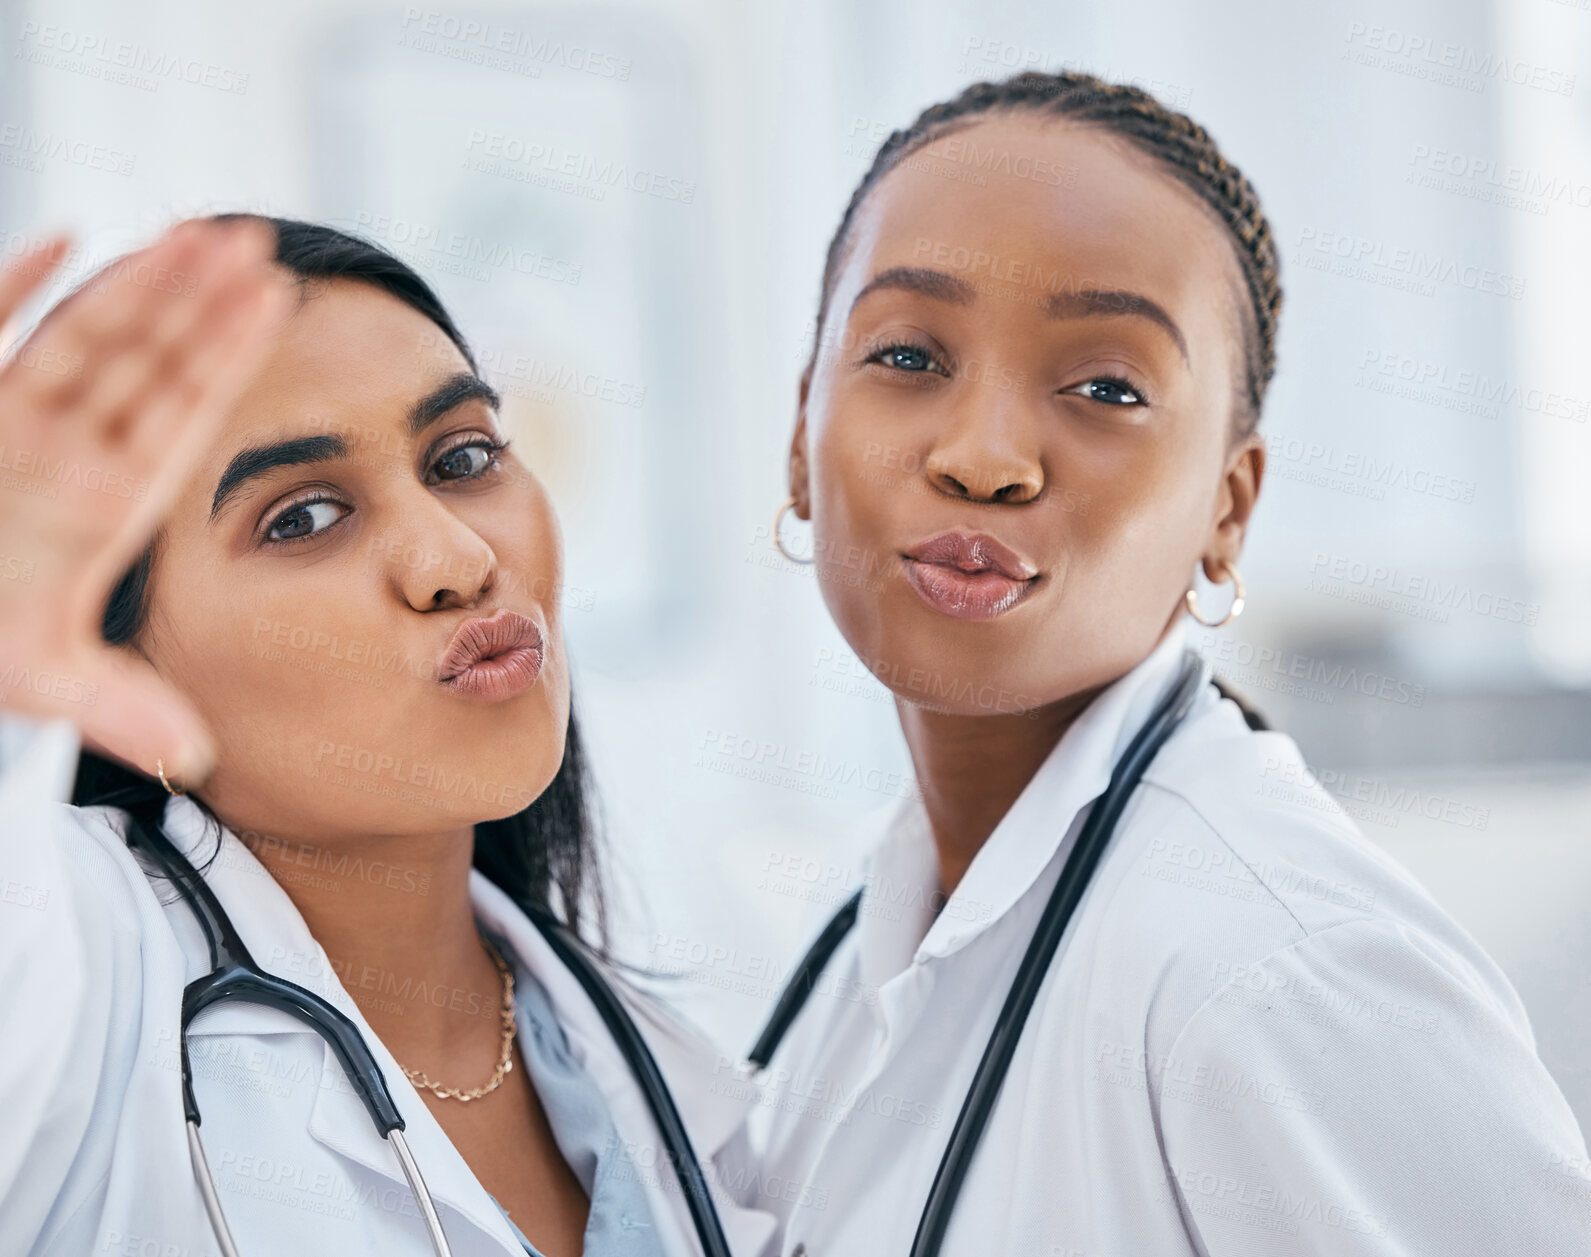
[[505, 1056]]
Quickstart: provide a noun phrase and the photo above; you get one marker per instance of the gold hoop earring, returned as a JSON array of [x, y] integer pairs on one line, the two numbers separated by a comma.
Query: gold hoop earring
[[778, 543], [1235, 610], [160, 771]]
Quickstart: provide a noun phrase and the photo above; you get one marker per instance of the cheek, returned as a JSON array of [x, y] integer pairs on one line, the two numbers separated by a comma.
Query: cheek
[[267, 661], [856, 462]]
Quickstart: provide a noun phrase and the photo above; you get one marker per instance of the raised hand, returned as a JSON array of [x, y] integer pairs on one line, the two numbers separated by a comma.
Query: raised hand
[[104, 412]]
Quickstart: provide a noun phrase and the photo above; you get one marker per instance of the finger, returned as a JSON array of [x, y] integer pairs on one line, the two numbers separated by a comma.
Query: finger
[[183, 336], [180, 419], [21, 280], [140, 718], [183, 415], [131, 302]]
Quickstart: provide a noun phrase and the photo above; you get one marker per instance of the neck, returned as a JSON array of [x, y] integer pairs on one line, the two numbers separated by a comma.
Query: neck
[[972, 768], [395, 918]]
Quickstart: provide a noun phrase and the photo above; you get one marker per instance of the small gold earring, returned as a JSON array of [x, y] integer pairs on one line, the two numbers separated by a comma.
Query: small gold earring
[[778, 542], [160, 771], [1235, 610]]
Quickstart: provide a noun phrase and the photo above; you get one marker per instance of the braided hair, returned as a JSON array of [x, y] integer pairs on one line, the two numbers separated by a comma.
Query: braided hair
[[1183, 148]]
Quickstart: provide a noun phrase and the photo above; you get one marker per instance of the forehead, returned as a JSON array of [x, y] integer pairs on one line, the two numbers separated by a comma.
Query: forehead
[[350, 351], [1020, 204]]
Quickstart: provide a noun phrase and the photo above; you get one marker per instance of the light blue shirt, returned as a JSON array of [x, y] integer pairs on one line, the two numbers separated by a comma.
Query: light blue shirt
[[620, 1223]]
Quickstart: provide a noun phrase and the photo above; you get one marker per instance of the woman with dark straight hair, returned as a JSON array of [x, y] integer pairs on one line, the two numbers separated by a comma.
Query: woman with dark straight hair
[[286, 619]]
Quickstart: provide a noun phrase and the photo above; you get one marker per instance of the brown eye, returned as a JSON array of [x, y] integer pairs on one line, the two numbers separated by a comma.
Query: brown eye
[[464, 462], [305, 520]]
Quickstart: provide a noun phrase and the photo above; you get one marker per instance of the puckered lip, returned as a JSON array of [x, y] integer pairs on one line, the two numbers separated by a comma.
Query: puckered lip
[[972, 552], [485, 637]]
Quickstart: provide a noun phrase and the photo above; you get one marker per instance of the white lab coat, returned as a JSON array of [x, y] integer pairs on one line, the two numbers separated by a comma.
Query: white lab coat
[[1259, 1036], [93, 1151]]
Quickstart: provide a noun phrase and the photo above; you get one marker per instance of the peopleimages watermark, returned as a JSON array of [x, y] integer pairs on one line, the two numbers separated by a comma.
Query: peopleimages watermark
[[1266, 1206], [37, 474], [337, 867], [793, 768], [1447, 63], [118, 61], [496, 46], [984, 55], [460, 253], [961, 158], [1211, 1086], [757, 974], [392, 992], [1292, 781], [1363, 474], [1003, 275], [47, 684], [29, 252], [562, 169], [731, 1183], [1306, 676], [1397, 266], [837, 671], [1486, 179], [1409, 377], [1390, 588], [1216, 868], [27, 148], [1339, 1008], [23, 894], [802, 876], [383, 773], [825, 1098], [534, 377], [855, 567]]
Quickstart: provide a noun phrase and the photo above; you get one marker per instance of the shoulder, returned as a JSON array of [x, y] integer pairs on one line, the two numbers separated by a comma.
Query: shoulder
[[78, 918], [1238, 855], [76, 915], [1329, 1074]]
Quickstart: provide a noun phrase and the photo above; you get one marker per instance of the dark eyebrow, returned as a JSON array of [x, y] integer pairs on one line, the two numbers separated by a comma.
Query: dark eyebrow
[[940, 285], [1086, 302], [453, 391], [256, 461], [260, 459]]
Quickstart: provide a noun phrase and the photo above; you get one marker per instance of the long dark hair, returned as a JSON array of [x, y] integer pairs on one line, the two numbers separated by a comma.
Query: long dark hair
[[544, 857]]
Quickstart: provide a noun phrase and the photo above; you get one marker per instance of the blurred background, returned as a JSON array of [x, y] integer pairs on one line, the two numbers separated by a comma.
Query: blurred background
[[626, 206]]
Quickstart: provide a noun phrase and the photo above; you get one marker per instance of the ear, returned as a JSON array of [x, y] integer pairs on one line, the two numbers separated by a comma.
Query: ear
[[1240, 489], [800, 489]]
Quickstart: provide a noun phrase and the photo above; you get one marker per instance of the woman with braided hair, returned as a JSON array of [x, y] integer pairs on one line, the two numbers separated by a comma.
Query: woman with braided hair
[[1047, 325]]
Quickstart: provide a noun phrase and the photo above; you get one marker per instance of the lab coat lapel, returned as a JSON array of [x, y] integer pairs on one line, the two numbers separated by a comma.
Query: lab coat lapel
[[1046, 815], [274, 931], [712, 1095]]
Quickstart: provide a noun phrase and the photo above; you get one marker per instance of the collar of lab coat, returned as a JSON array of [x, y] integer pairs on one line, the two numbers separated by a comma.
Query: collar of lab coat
[[1032, 832], [277, 935], [713, 1112]]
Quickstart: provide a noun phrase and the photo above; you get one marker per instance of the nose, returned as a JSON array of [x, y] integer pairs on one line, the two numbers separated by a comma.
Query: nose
[[434, 559], [987, 453]]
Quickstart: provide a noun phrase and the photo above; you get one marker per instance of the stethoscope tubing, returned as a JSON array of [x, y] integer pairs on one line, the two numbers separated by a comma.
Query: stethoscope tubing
[[1076, 874], [235, 976], [212, 1198]]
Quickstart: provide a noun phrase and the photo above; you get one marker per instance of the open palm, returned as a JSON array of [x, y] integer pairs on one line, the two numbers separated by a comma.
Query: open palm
[[104, 411]]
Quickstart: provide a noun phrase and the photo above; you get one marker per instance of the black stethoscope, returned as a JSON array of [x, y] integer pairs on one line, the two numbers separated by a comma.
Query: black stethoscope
[[235, 977], [978, 1106]]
